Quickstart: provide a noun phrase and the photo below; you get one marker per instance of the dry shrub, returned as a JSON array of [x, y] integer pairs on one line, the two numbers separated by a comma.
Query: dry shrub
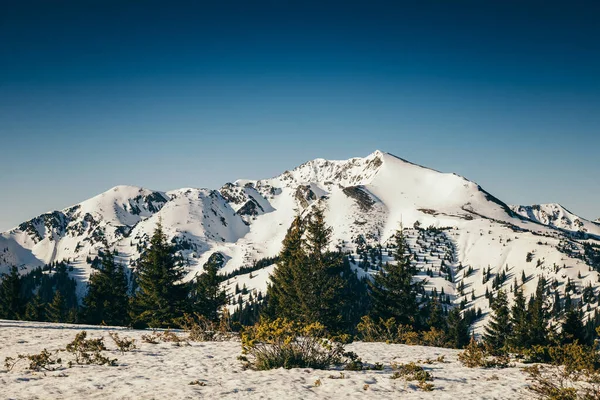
[[44, 361], [201, 329], [479, 355], [123, 344], [288, 344], [571, 375], [88, 351]]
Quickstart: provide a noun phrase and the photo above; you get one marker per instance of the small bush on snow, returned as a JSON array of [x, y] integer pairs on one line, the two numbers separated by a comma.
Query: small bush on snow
[[288, 344]]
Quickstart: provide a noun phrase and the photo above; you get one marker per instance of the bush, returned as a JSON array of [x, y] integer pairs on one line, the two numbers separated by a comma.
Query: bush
[[88, 351], [480, 355], [572, 374], [288, 344], [37, 362], [201, 329], [388, 331], [124, 344]]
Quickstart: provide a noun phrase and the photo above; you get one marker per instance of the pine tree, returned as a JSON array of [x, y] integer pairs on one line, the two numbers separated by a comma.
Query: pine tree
[[539, 316], [11, 300], [393, 292], [57, 310], [161, 299], [572, 328], [520, 321], [326, 283], [107, 300], [206, 294], [499, 328], [458, 329], [436, 316], [283, 292], [35, 309], [313, 284]]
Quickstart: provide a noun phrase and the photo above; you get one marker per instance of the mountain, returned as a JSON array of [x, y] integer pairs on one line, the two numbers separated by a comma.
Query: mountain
[[450, 222], [557, 216]]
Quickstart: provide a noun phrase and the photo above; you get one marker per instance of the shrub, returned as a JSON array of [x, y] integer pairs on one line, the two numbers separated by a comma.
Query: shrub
[[124, 344], [411, 372], [479, 355], [165, 336], [388, 331], [37, 362], [572, 374], [288, 344], [88, 351], [201, 329]]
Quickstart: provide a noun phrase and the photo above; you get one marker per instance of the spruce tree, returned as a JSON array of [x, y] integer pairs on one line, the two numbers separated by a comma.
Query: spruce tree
[[35, 309], [539, 316], [499, 327], [57, 310], [107, 299], [11, 300], [458, 329], [520, 322], [324, 292], [207, 296], [284, 292], [393, 292], [161, 299], [572, 328]]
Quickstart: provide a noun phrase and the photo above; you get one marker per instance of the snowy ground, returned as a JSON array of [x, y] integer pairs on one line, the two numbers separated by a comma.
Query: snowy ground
[[166, 371]]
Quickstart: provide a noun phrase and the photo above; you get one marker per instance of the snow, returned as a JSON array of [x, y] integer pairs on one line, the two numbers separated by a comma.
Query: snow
[[366, 198], [166, 371], [557, 216]]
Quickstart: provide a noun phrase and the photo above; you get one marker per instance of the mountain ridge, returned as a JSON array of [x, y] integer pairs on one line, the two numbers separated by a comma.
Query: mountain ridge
[[365, 199]]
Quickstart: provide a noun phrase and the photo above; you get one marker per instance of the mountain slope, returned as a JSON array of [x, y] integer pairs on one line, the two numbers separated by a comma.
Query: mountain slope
[[557, 216], [450, 222]]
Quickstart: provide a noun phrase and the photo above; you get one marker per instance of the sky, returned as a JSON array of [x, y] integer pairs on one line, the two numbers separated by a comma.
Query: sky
[[174, 94]]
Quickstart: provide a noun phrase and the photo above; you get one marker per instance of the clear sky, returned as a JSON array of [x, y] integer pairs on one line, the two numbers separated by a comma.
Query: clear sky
[[176, 94]]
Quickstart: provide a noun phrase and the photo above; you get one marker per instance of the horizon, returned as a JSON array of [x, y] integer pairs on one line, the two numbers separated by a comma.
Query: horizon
[[196, 95]]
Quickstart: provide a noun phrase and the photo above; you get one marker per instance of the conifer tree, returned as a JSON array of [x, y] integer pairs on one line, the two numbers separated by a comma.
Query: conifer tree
[[393, 292], [520, 321], [283, 292], [499, 327], [35, 309], [57, 310], [539, 316], [107, 300], [324, 293], [206, 294], [11, 300], [458, 329], [572, 328], [161, 299]]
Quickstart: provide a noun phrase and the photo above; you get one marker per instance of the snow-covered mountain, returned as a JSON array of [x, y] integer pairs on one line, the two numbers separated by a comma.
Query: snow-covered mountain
[[557, 216], [365, 201]]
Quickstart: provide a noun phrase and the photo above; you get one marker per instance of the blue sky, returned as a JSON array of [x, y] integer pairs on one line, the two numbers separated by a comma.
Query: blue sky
[[177, 94]]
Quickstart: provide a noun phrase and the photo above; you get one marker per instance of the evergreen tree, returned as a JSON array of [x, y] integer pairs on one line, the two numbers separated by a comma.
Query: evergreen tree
[[572, 328], [313, 284], [393, 292], [35, 309], [458, 329], [283, 292], [161, 299], [207, 296], [436, 316], [107, 299], [57, 310], [539, 316], [326, 282], [11, 300], [520, 321], [499, 328]]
